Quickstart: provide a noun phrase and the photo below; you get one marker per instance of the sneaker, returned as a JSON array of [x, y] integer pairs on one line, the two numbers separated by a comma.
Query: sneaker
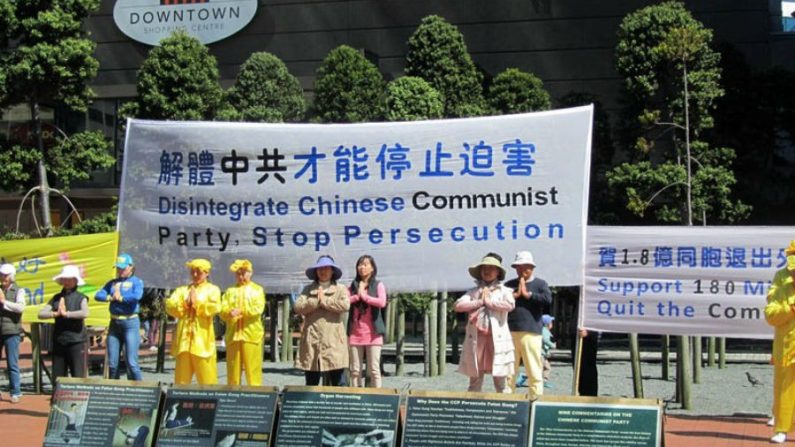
[[153, 348], [15, 399], [771, 422], [548, 385], [779, 438], [522, 381]]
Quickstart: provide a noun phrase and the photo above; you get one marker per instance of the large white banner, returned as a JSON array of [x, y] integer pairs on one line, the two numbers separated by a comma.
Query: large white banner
[[426, 199], [681, 280]]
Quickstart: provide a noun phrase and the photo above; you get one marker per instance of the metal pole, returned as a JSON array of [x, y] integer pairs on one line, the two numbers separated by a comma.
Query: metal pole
[[711, 352], [35, 341], [722, 352], [433, 333], [273, 328], [287, 334], [697, 357], [401, 337], [666, 357], [443, 333]]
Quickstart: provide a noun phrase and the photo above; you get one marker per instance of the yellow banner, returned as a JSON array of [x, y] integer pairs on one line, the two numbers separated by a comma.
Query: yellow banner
[[39, 260]]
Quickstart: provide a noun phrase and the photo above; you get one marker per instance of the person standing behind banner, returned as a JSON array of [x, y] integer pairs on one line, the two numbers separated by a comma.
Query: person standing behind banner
[[323, 348], [487, 347], [12, 303], [532, 296], [69, 308], [366, 326], [194, 305], [124, 294], [780, 313], [241, 308]]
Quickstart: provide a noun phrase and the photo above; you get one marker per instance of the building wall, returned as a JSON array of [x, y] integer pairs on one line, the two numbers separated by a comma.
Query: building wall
[[568, 43]]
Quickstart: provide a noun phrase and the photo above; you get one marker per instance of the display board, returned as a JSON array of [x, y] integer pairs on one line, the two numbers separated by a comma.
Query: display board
[[338, 416], [436, 418], [99, 412], [216, 415], [595, 422]]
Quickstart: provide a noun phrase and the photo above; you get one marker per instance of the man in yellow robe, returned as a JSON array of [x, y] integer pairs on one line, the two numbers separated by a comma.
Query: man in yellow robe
[[780, 313], [194, 306], [241, 308]]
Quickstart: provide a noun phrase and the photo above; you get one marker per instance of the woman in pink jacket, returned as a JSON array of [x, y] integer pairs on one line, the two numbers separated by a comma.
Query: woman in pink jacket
[[366, 325], [488, 347]]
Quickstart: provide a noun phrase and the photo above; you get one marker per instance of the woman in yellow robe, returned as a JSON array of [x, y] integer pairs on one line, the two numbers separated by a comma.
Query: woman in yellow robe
[[194, 306], [241, 308], [780, 313]]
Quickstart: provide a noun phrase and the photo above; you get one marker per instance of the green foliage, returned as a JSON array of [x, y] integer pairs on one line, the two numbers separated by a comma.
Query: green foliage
[[438, 54], [347, 87], [410, 98], [672, 79], [46, 57], [178, 80], [516, 91], [101, 223], [266, 91], [654, 45]]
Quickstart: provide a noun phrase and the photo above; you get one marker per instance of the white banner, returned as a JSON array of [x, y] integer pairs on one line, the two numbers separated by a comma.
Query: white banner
[[681, 280], [425, 199]]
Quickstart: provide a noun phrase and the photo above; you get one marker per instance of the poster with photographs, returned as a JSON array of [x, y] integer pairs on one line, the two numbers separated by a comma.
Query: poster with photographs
[[436, 418], [338, 417], [217, 416], [98, 412]]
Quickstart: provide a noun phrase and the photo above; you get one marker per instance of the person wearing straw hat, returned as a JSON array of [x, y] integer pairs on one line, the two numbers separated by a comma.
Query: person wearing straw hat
[[780, 313], [194, 306], [532, 296], [12, 304], [124, 293], [242, 306], [69, 308], [487, 347], [323, 348]]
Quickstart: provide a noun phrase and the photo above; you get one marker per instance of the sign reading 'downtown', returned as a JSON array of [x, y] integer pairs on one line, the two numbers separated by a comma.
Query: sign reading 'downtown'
[[149, 21]]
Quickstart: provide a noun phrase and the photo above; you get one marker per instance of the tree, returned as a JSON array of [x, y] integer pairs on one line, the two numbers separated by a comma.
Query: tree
[[178, 80], [438, 54], [266, 91], [47, 59], [516, 91], [410, 99], [672, 81], [347, 87]]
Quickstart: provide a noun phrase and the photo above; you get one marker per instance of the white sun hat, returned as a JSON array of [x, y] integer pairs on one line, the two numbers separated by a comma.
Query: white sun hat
[[69, 271]]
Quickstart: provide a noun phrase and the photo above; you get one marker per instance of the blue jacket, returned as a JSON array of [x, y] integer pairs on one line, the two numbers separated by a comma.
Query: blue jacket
[[132, 289]]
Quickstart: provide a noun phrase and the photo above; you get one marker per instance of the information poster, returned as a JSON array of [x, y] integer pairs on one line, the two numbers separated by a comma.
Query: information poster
[[98, 412], [595, 422], [334, 416], [466, 419], [217, 416]]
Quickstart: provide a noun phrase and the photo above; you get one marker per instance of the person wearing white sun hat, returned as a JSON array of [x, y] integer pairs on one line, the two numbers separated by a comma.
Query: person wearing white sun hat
[[69, 308], [12, 303]]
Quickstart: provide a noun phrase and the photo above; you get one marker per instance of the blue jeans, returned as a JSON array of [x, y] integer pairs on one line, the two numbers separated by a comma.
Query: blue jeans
[[11, 346], [124, 333]]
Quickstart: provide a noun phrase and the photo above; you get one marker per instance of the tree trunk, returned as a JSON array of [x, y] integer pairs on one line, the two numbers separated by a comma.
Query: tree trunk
[[44, 187]]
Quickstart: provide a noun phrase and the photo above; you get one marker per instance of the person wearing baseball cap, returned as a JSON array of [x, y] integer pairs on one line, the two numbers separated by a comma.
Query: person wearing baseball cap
[[780, 313], [242, 306], [69, 308], [532, 296], [194, 306], [12, 303], [124, 294]]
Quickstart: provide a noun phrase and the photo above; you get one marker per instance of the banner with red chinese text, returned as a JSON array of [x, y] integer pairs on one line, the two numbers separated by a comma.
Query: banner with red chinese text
[[427, 199]]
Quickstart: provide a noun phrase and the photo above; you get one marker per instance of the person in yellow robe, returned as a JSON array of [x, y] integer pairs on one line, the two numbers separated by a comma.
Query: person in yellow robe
[[780, 313], [241, 308], [194, 306]]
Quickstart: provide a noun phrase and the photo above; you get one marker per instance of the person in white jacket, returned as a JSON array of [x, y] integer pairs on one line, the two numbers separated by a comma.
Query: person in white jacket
[[488, 347], [12, 303]]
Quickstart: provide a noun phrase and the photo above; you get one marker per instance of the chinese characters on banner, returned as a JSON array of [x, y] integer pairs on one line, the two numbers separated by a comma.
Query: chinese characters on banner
[[426, 199], [681, 280]]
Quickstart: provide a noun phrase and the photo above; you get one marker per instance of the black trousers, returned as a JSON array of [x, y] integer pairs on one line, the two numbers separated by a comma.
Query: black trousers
[[589, 374], [335, 377], [69, 358]]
